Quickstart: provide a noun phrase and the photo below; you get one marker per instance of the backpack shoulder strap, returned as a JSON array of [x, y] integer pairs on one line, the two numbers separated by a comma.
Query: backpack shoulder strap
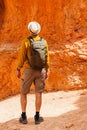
[[30, 39], [41, 39]]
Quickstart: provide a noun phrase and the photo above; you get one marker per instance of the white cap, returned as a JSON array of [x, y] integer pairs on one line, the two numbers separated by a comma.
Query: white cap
[[34, 27]]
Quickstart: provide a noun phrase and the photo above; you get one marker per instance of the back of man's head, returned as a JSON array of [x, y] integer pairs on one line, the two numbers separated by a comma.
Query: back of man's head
[[34, 27]]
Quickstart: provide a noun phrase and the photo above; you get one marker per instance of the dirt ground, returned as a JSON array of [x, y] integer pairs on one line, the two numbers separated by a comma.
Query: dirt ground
[[60, 110]]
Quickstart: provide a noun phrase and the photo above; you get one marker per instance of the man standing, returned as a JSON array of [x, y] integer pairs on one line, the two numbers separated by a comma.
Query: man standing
[[35, 60]]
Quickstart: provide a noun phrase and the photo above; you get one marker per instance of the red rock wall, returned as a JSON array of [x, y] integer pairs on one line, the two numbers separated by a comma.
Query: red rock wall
[[64, 25]]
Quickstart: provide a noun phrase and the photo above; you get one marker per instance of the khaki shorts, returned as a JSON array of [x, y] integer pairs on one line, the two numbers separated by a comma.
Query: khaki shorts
[[33, 76]]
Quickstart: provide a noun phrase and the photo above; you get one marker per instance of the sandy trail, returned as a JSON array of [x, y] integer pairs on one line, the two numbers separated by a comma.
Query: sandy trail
[[61, 111]]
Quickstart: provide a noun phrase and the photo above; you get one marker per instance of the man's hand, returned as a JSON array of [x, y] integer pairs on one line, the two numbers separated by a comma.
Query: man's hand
[[18, 73], [47, 74]]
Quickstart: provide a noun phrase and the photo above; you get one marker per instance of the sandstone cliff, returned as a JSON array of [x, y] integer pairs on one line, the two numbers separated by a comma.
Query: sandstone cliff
[[64, 25]]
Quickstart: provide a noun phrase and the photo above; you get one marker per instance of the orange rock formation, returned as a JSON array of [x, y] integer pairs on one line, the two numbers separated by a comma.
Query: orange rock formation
[[64, 25]]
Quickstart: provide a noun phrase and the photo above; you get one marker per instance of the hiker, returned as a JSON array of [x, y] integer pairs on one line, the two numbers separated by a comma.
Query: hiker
[[34, 58]]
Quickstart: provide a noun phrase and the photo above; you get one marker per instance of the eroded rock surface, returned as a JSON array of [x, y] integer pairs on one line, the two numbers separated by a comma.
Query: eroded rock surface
[[64, 25]]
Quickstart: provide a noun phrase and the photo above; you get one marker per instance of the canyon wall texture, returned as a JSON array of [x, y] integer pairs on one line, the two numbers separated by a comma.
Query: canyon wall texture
[[64, 25]]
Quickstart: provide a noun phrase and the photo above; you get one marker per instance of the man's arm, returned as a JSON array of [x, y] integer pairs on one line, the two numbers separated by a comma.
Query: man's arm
[[47, 64], [22, 58]]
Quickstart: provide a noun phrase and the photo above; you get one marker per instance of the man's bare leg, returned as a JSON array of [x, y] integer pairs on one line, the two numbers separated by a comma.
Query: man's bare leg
[[23, 101], [38, 103]]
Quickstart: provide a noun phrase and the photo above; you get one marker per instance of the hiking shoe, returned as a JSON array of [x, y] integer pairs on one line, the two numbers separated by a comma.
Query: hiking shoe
[[38, 120], [23, 120]]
